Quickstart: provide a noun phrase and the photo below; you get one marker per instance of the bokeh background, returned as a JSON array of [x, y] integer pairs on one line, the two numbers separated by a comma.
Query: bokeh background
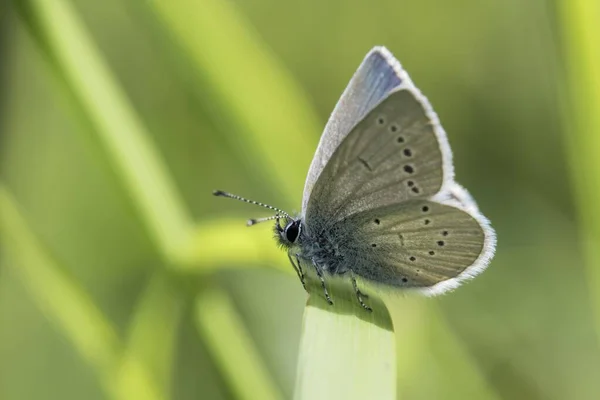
[[122, 277]]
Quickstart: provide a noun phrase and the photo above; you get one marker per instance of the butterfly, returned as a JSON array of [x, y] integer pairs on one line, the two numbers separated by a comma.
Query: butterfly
[[380, 201]]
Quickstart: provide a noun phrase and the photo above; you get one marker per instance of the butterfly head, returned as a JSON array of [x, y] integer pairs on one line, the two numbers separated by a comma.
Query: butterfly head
[[288, 233]]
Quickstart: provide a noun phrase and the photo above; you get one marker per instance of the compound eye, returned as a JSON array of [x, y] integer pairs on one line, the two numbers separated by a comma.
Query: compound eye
[[292, 230]]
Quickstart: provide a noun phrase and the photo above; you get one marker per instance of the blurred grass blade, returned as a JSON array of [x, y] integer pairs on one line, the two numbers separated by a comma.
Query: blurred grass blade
[[345, 352], [231, 347], [67, 305], [119, 130], [152, 332], [581, 30], [56, 294], [205, 252], [264, 108]]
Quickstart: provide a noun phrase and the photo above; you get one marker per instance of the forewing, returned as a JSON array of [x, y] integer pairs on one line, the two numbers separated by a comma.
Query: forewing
[[375, 78], [397, 153], [421, 244]]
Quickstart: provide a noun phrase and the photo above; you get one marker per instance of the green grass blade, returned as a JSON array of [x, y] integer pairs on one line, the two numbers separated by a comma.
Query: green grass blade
[[68, 306], [265, 110], [119, 130], [581, 30], [231, 347], [345, 352]]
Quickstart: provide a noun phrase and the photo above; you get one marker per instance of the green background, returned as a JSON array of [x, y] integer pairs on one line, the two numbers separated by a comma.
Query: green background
[[204, 77]]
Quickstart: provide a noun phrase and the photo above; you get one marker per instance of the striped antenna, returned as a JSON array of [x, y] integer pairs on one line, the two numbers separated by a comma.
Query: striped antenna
[[279, 212], [259, 220]]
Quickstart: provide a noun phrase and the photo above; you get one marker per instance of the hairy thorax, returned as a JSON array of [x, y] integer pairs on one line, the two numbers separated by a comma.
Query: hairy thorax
[[326, 249]]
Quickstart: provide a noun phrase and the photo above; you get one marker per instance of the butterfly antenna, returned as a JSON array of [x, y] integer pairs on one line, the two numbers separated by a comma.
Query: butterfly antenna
[[279, 212], [259, 220]]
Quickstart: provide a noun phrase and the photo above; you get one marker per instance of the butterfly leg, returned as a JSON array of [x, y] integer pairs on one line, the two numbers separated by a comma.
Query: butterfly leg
[[320, 274], [298, 269], [360, 295]]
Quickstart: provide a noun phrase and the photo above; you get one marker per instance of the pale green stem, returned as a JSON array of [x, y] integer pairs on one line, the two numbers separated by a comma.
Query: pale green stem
[[69, 307], [581, 30], [346, 352]]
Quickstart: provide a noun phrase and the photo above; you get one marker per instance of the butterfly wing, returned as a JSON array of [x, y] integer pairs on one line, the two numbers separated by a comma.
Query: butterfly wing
[[394, 164], [421, 244], [375, 78], [396, 153]]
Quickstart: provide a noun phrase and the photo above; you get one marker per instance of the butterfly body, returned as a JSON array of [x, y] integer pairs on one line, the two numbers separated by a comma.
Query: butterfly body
[[329, 250], [380, 201]]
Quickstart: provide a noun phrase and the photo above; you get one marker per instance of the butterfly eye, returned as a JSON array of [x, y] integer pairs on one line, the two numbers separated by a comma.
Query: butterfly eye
[[292, 230]]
